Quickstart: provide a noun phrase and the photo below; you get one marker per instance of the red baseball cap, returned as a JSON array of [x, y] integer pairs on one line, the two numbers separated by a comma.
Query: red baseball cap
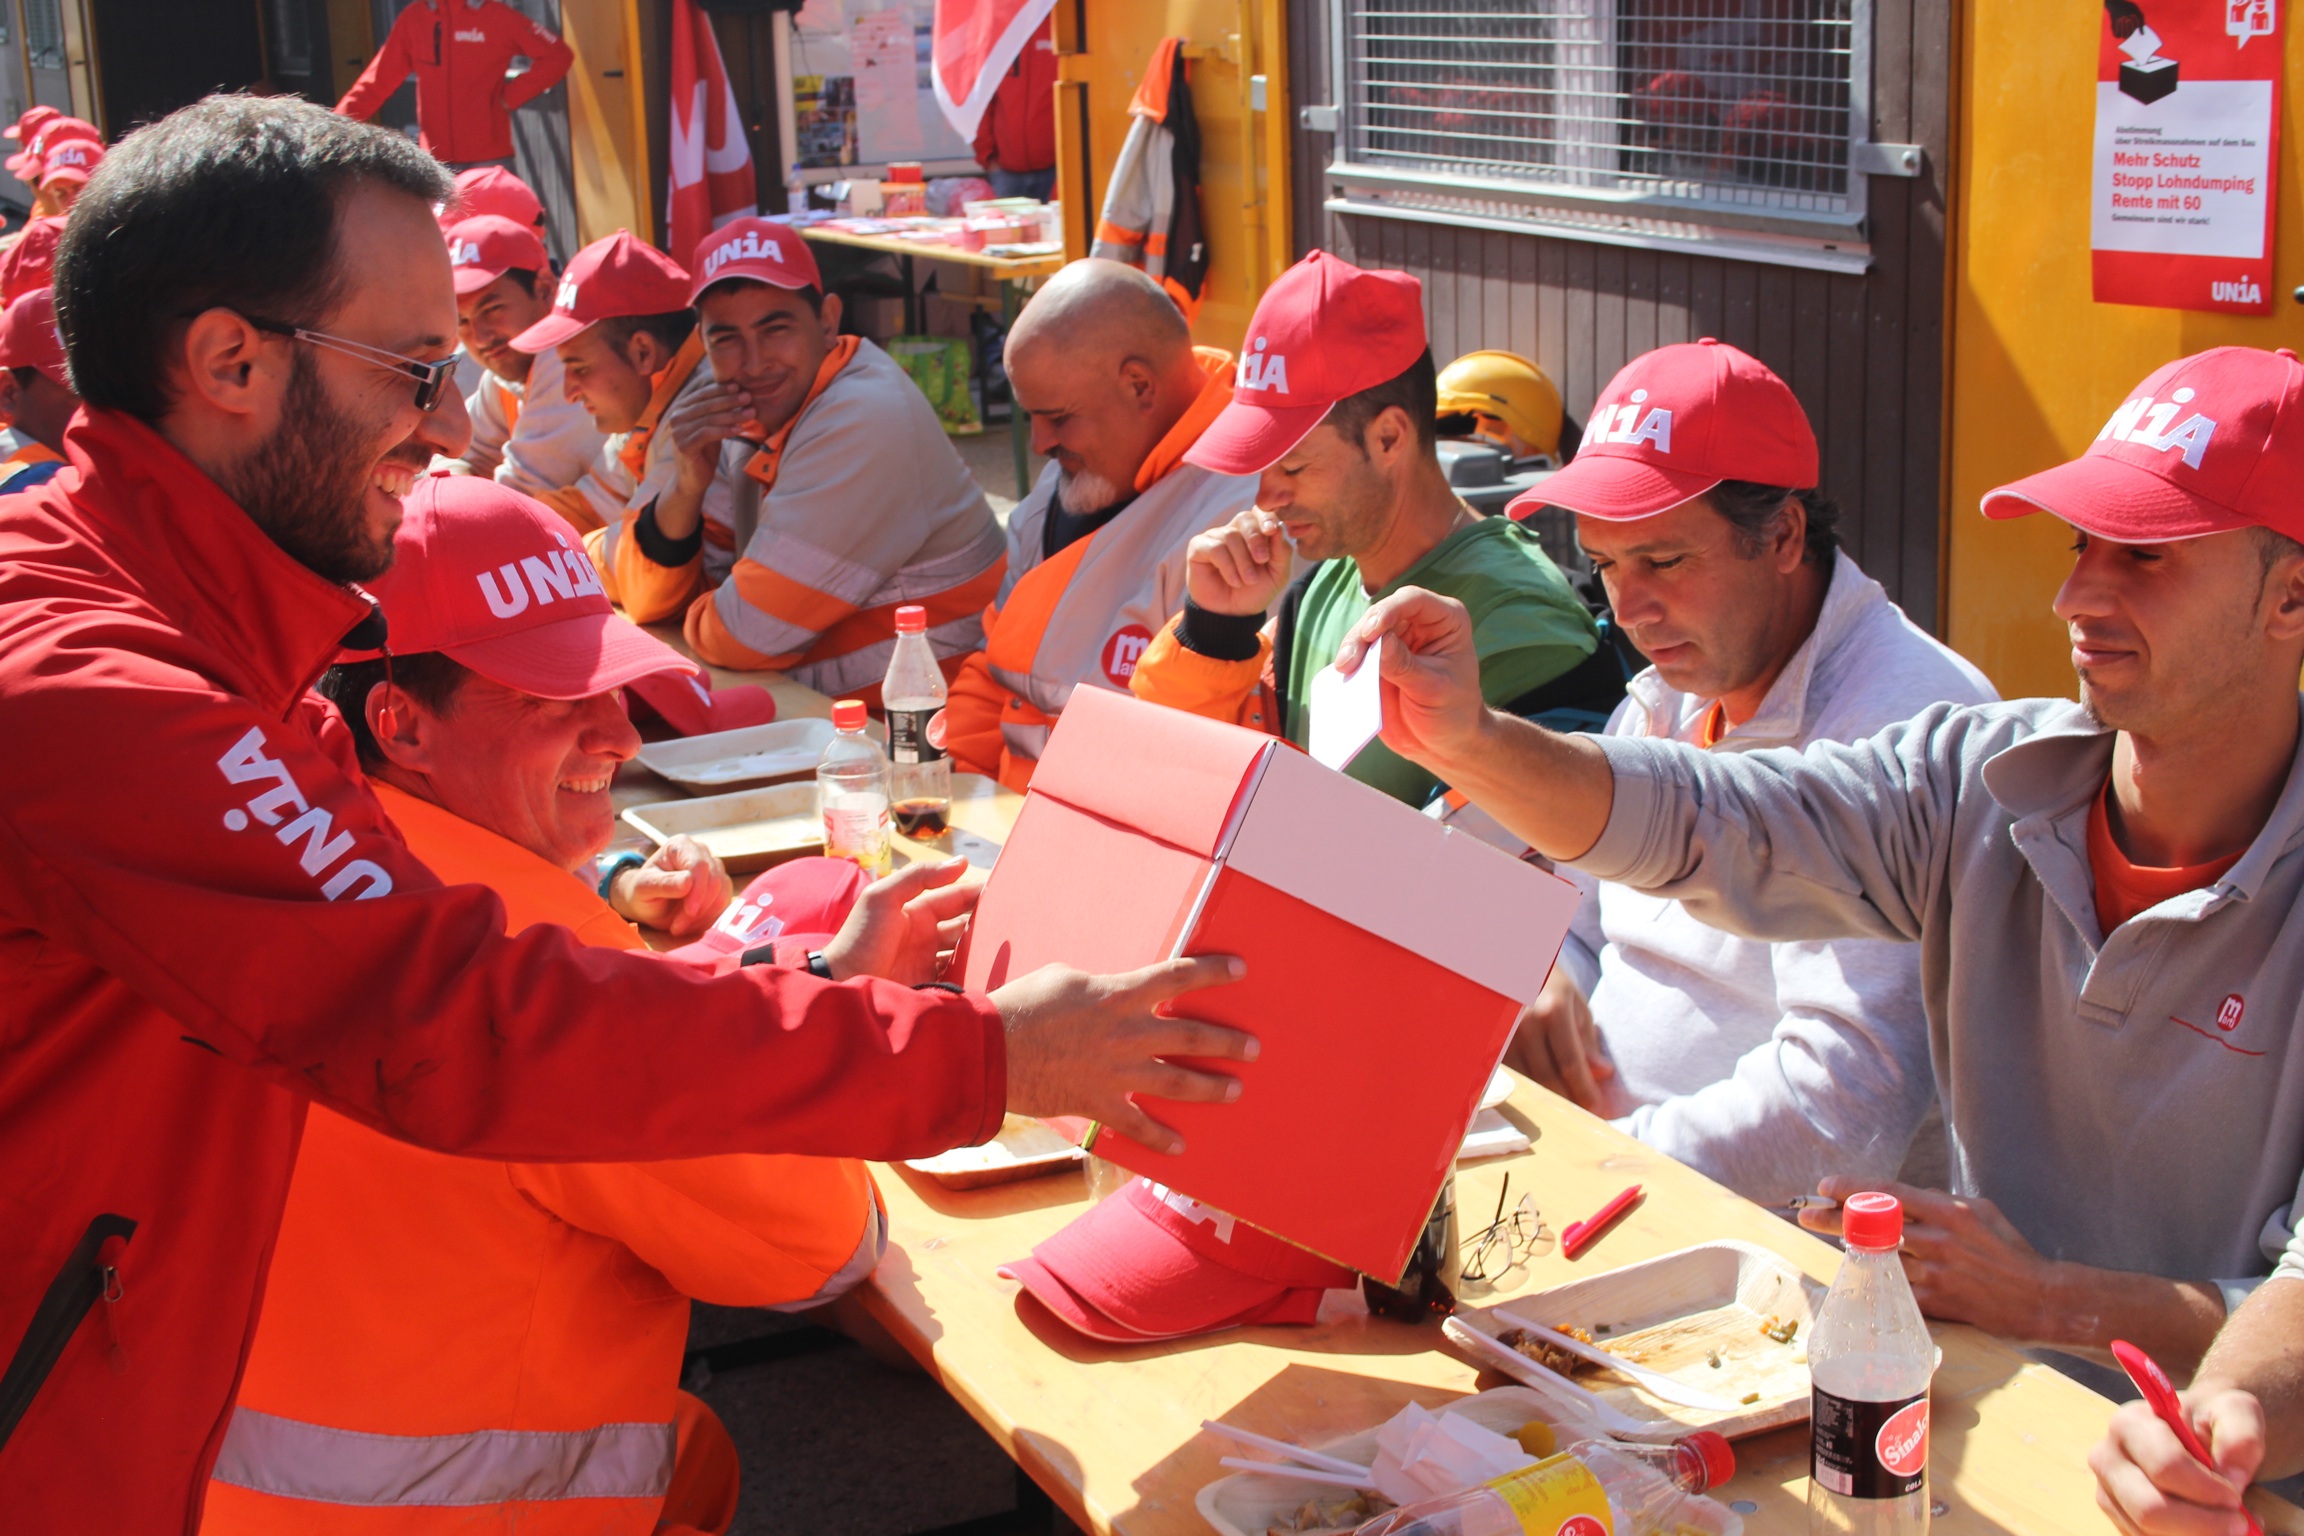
[[2208, 444], [756, 250], [70, 160], [693, 707], [31, 262], [798, 905], [1324, 330], [28, 335], [609, 278], [25, 163], [1148, 1263], [491, 189], [30, 122], [495, 580], [484, 248], [1676, 422]]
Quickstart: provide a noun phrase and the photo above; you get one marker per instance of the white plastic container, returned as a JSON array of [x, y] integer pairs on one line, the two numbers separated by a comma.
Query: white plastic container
[[852, 793], [913, 694], [1871, 1358], [1593, 1488]]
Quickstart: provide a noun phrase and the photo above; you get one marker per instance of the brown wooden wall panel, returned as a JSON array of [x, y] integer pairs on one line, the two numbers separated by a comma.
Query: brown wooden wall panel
[[1865, 354]]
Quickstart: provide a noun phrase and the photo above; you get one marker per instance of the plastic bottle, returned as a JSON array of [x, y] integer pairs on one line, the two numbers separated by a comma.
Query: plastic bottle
[[1593, 1488], [852, 793], [1427, 1289], [795, 191], [1870, 1358], [913, 694]]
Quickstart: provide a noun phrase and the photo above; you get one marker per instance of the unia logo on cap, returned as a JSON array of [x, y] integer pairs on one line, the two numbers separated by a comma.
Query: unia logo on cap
[[2147, 423], [565, 299], [1624, 424], [746, 247], [1193, 1211], [1262, 370], [69, 153], [464, 253]]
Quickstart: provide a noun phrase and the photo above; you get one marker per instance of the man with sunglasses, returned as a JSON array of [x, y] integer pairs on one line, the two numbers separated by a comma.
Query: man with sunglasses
[[205, 918]]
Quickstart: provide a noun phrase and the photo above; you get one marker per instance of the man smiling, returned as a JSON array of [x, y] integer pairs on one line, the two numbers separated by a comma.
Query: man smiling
[[526, 432], [2104, 894], [206, 919], [809, 490]]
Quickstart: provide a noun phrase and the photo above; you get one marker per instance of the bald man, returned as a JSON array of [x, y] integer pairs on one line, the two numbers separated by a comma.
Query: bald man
[[1102, 361]]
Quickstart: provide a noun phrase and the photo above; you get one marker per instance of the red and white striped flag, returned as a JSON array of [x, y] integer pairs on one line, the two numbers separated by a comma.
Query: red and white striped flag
[[975, 42], [711, 161]]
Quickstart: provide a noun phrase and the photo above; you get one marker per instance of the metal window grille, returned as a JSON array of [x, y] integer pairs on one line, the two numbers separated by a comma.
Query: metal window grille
[[44, 33], [1646, 121]]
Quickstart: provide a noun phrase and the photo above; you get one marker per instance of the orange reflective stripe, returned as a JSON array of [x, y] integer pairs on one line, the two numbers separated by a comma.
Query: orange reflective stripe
[[972, 711], [763, 465], [649, 591], [1014, 644], [870, 626], [573, 505], [1115, 234], [1155, 244], [511, 401], [1214, 395], [710, 640], [771, 592]]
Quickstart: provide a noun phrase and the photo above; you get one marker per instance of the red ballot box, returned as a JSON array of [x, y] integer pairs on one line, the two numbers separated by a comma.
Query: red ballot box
[[1387, 959]]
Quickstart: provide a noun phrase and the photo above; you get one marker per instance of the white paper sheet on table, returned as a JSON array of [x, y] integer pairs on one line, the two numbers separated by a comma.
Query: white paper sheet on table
[[1345, 713]]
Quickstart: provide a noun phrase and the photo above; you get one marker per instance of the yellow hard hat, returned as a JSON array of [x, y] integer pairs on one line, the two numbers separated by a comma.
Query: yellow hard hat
[[1509, 387]]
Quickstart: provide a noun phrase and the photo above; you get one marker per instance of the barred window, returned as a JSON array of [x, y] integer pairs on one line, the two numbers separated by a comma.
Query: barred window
[[44, 33], [1651, 122]]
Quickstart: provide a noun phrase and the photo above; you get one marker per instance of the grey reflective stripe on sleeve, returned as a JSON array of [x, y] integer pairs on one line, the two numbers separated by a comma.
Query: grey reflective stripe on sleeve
[[869, 1250], [295, 1460]]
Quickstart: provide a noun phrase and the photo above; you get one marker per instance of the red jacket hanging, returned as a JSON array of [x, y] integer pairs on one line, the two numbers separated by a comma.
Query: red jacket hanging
[[458, 50], [206, 920]]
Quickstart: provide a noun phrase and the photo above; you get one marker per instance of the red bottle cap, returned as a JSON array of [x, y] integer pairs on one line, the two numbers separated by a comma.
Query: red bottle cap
[[1872, 1220], [848, 715], [1719, 1458], [912, 619]]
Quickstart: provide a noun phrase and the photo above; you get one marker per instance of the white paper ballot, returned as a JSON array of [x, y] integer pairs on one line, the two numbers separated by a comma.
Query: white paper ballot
[[2141, 45], [1345, 713]]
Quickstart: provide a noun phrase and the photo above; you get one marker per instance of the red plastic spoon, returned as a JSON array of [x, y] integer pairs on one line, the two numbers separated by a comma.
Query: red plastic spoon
[[2160, 1393]]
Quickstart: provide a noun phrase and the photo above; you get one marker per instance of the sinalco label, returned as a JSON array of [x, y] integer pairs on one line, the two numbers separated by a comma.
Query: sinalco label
[[1864, 1450], [913, 737], [1558, 1496]]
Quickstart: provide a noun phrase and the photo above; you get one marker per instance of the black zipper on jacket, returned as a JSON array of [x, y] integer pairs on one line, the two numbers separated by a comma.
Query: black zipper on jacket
[[77, 1288]]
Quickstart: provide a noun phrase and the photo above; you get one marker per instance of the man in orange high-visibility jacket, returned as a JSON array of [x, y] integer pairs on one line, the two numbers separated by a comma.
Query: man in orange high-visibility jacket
[[448, 1341], [800, 495], [1103, 362]]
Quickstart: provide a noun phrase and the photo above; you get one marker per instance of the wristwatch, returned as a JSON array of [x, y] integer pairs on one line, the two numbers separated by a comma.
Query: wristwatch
[[616, 866], [819, 966]]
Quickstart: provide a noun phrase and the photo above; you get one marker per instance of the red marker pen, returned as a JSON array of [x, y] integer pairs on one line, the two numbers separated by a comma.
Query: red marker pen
[[1579, 1235]]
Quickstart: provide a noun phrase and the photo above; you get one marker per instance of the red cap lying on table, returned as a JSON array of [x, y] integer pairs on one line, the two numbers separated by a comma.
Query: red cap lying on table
[[491, 579], [1148, 1264]]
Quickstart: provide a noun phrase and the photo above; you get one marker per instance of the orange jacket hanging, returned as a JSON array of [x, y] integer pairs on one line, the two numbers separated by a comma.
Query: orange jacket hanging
[[460, 1343]]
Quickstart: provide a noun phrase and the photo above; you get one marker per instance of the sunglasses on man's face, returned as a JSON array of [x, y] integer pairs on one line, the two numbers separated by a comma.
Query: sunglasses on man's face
[[431, 379]]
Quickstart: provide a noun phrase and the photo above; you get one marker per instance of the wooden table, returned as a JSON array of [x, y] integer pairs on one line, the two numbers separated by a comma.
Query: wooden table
[[1014, 273]]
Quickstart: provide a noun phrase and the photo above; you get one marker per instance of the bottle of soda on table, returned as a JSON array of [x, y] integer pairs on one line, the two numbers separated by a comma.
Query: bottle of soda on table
[[852, 793], [1870, 1359], [1593, 1488], [913, 695]]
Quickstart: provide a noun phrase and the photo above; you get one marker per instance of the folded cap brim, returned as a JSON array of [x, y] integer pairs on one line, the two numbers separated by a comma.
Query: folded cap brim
[[550, 331], [2115, 500], [572, 658], [1616, 490], [473, 279], [692, 708], [1247, 439]]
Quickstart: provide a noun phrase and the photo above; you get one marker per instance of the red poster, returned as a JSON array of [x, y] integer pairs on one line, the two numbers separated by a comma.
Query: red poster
[[2187, 154]]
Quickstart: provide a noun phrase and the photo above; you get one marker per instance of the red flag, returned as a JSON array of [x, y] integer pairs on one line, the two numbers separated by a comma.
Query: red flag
[[712, 180], [975, 42]]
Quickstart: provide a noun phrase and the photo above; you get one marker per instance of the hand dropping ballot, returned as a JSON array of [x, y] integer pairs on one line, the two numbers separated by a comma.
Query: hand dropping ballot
[[1388, 955], [1345, 712]]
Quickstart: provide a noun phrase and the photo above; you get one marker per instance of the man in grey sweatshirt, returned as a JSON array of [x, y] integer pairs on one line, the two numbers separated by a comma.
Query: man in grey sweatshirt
[[2105, 894]]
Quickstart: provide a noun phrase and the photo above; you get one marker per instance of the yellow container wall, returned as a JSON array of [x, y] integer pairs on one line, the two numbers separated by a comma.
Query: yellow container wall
[[2037, 365]]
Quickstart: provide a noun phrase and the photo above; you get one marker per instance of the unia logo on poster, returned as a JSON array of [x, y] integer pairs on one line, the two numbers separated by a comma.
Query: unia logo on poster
[[1902, 1443]]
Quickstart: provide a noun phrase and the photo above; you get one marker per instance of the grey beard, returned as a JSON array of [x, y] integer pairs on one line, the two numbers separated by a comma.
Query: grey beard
[[1084, 495]]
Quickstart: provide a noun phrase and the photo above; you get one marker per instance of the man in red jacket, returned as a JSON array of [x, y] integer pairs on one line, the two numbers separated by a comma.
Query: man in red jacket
[[460, 52], [1016, 141], [205, 918]]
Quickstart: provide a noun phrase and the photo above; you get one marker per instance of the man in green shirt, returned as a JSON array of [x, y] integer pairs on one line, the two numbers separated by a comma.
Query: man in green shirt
[[1334, 412]]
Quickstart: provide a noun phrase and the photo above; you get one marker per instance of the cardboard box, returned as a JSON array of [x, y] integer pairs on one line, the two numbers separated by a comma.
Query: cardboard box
[[1388, 958]]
